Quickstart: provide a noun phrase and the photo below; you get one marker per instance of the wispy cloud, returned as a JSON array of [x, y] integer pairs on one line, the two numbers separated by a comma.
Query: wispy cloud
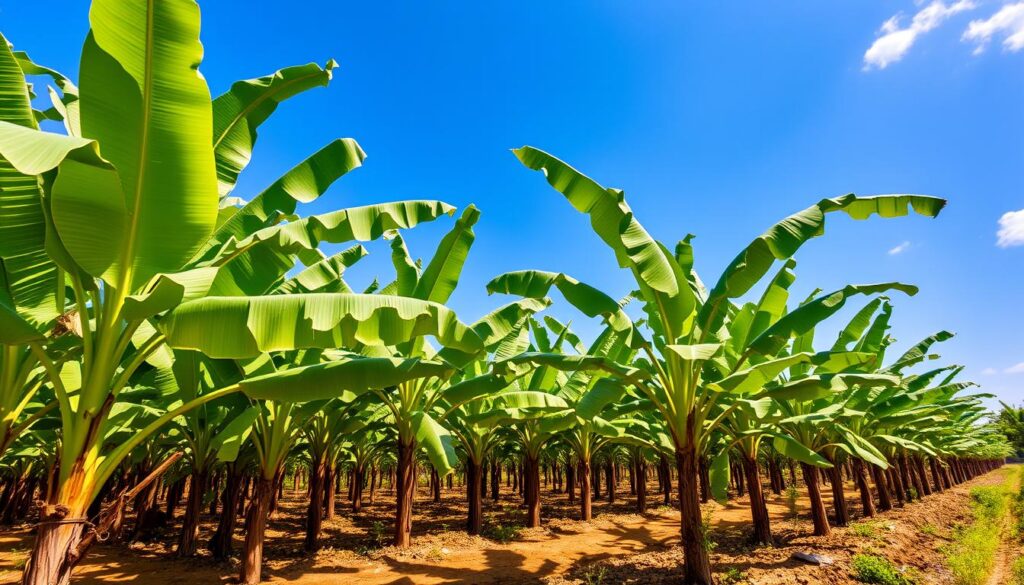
[[1015, 369], [1011, 229], [901, 248], [896, 40], [1008, 22], [989, 372]]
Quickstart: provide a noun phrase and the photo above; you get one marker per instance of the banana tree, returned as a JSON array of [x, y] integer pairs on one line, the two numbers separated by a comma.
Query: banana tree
[[325, 432], [142, 155], [686, 321]]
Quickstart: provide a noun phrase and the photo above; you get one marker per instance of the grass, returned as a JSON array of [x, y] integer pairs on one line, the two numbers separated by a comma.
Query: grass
[[1017, 571], [878, 570], [503, 533], [863, 529], [595, 576], [972, 554], [733, 576], [929, 529]]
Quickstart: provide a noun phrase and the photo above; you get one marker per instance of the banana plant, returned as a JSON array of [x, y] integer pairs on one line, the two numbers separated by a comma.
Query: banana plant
[[141, 156], [686, 321], [325, 432]]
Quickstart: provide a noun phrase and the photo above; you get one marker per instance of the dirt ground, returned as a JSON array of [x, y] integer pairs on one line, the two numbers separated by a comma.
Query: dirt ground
[[618, 546]]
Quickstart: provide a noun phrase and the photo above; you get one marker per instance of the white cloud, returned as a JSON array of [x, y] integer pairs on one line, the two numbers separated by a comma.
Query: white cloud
[[1008, 22], [989, 372], [899, 249], [1015, 369], [895, 41], [1011, 229]]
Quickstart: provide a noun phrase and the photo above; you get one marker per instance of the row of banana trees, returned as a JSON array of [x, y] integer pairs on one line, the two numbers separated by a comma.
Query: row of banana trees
[[154, 322]]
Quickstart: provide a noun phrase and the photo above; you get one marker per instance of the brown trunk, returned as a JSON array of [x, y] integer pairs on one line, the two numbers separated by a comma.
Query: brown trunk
[[935, 474], [532, 481], [835, 476], [495, 480], [315, 509], [405, 493], [221, 544], [666, 480], [821, 527], [474, 495], [922, 476], [329, 478], [758, 508], [585, 491], [705, 481], [435, 484], [882, 485], [641, 483], [358, 478], [570, 481], [697, 568], [867, 503], [189, 537], [256, 526]]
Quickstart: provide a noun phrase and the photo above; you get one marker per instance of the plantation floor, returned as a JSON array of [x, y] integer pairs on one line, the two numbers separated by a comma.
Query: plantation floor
[[618, 545]]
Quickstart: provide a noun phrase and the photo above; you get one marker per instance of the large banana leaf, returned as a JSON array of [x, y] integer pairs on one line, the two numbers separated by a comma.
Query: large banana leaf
[[145, 102], [343, 378], [537, 283], [783, 239], [30, 279], [240, 327], [662, 282], [437, 441], [442, 273], [304, 183], [805, 317], [239, 112]]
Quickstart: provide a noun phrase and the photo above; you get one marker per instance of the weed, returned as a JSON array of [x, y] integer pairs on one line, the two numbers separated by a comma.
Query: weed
[[878, 570], [733, 576], [378, 533], [971, 554], [502, 533], [1017, 571], [705, 533], [929, 529], [595, 576], [792, 495], [863, 529]]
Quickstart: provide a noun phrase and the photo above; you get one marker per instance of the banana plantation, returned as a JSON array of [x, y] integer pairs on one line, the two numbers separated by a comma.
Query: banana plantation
[[183, 358]]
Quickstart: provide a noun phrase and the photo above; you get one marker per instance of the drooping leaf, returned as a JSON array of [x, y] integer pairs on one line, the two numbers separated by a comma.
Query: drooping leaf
[[240, 327]]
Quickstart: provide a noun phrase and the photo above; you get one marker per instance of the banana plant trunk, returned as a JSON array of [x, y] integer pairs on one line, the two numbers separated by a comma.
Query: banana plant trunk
[[61, 526], [818, 515], [221, 543], [256, 526], [860, 476], [474, 494], [315, 510], [697, 569], [884, 497], [532, 486], [406, 490], [835, 477], [641, 484], [188, 539], [358, 479], [330, 477], [758, 507], [586, 511]]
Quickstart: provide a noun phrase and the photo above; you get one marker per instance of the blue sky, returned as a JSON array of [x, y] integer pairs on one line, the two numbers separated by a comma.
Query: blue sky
[[717, 118]]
